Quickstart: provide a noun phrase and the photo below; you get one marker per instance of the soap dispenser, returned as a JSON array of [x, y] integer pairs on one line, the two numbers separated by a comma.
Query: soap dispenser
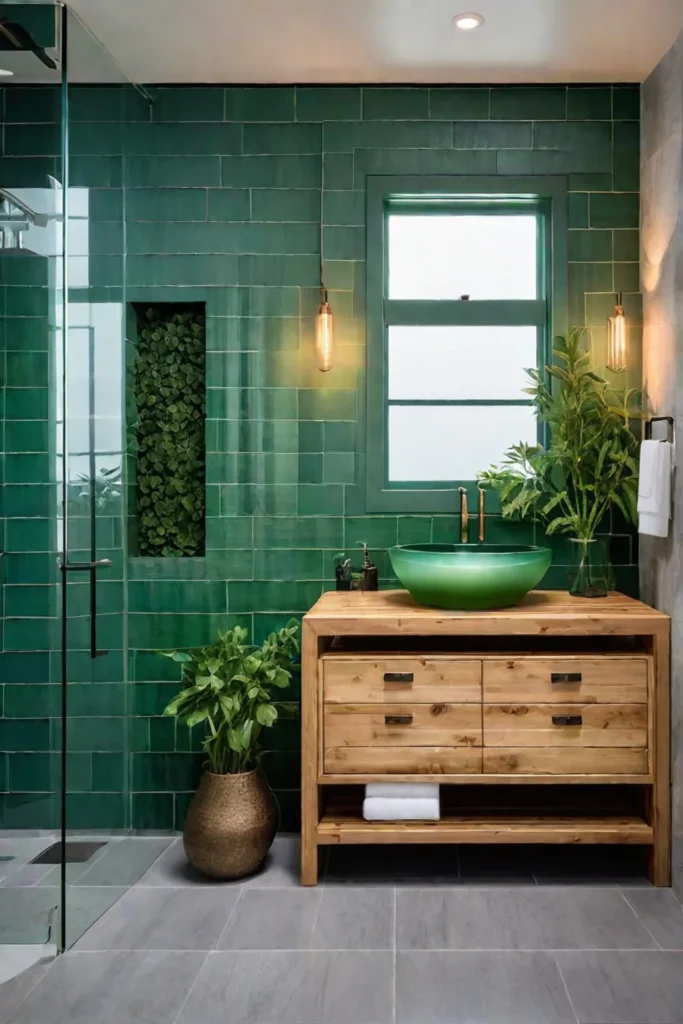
[[369, 580]]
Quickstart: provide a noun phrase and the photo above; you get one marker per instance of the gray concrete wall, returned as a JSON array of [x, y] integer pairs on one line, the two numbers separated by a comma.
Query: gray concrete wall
[[661, 561]]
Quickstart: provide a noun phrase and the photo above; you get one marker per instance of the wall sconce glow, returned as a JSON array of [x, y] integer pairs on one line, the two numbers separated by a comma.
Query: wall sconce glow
[[468, 22], [617, 339], [324, 335]]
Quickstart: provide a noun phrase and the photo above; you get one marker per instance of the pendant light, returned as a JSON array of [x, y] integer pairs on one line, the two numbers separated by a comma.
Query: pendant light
[[617, 339], [324, 325]]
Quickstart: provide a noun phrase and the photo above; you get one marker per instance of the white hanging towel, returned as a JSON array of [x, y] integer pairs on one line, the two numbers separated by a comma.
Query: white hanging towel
[[401, 808], [654, 488]]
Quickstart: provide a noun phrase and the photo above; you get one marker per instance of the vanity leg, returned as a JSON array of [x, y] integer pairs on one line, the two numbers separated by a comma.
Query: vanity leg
[[659, 862], [310, 811]]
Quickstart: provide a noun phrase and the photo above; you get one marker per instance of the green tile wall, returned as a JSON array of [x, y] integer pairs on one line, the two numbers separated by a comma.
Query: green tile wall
[[220, 192]]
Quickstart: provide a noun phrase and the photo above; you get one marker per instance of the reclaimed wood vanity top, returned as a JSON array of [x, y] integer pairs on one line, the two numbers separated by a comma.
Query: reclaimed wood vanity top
[[388, 612]]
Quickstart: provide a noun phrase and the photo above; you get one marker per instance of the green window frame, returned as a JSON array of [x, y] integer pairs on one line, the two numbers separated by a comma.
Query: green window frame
[[547, 197]]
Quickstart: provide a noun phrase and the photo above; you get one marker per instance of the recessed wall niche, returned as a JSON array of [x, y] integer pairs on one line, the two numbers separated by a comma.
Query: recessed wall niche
[[166, 428]]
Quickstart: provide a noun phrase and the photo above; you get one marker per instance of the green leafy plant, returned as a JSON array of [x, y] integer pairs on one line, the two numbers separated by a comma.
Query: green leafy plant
[[169, 385], [231, 692], [590, 463]]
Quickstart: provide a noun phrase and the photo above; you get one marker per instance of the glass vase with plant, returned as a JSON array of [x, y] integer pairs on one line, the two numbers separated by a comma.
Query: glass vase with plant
[[588, 467], [232, 690]]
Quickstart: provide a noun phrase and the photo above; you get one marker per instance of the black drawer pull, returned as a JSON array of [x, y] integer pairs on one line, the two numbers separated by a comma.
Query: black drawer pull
[[567, 720], [565, 677], [398, 719], [398, 677]]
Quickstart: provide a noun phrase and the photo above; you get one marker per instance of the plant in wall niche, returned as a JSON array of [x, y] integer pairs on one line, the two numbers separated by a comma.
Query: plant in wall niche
[[232, 693], [169, 393], [589, 466]]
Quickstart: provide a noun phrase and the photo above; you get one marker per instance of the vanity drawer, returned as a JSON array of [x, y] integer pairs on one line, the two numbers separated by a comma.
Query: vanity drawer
[[566, 680], [565, 725], [371, 680], [565, 761], [402, 725], [402, 761]]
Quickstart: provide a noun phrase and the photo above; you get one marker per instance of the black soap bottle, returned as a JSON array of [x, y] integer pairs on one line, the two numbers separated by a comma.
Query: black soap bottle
[[368, 579]]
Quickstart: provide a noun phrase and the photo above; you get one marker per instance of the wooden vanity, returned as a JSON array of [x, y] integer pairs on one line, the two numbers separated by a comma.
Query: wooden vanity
[[544, 723]]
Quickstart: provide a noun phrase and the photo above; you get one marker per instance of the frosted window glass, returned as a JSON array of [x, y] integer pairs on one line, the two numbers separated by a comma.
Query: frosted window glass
[[460, 362], [446, 256], [442, 442]]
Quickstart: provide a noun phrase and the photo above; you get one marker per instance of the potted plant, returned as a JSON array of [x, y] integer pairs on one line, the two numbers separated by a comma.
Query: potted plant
[[588, 467], [231, 689]]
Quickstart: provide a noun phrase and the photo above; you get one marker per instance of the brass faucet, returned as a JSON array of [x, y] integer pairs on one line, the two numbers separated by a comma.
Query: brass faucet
[[464, 516], [482, 521]]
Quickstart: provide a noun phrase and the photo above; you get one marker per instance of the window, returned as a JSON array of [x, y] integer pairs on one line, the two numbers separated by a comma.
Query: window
[[459, 304]]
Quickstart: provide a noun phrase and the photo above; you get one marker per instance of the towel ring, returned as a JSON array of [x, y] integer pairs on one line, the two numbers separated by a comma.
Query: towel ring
[[670, 434]]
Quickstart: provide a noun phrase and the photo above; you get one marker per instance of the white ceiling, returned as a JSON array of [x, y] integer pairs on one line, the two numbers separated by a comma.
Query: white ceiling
[[369, 41]]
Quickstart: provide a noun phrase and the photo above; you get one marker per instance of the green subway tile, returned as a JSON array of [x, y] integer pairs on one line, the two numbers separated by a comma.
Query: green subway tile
[[627, 102], [343, 207], [577, 139], [162, 732], [253, 334], [339, 437], [90, 103], [583, 278], [285, 204], [626, 156], [33, 140], [281, 138], [228, 204], [275, 596], [459, 104], [138, 734], [31, 600], [96, 810], [320, 499], [33, 104], [279, 270], [626, 245], [180, 238], [325, 103], [178, 171], [105, 238], [343, 137], [375, 531], [180, 139], [79, 772], [258, 499], [27, 667], [165, 204], [28, 172], [492, 135], [252, 403], [288, 565], [152, 811], [96, 138], [105, 204], [598, 309], [414, 529], [26, 436], [167, 269], [421, 161], [595, 181], [188, 103], [151, 698], [627, 277], [310, 436], [401, 104], [35, 301], [327, 405], [32, 701], [577, 209], [339, 468], [338, 171], [176, 596], [344, 243], [95, 699], [93, 171], [26, 369], [528, 103], [269, 103], [266, 468], [258, 301], [29, 568], [586, 246], [25, 735], [21, 810], [30, 773], [165, 771], [108, 772], [310, 469], [620, 210], [589, 104], [27, 468], [313, 532], [281, 171], [27, 333], [107, 734]]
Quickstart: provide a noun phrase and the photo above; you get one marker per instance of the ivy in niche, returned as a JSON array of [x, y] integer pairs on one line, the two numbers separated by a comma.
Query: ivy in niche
[[169, 386]]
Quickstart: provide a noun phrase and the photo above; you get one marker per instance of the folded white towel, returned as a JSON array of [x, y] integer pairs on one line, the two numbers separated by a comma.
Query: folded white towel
[[654, 488], [404, 790], [377, 808]]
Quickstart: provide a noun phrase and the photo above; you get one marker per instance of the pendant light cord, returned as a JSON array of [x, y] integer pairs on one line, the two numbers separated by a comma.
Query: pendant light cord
[[323, 289]]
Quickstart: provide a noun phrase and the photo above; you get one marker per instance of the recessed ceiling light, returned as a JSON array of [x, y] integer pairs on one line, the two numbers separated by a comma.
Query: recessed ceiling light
[[466, 22], [5, 72]]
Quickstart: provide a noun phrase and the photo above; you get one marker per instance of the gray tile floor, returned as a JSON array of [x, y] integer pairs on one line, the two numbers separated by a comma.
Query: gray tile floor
[[391, 936]]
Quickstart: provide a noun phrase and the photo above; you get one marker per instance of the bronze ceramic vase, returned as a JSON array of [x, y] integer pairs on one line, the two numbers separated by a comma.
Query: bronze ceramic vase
[[230, 824]]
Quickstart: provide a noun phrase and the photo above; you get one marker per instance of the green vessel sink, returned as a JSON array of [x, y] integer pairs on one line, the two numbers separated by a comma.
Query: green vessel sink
[[469, 577]]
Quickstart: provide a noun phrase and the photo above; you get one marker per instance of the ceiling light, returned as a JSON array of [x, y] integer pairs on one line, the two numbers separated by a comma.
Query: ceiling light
[[466, 22], [5, 72]]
